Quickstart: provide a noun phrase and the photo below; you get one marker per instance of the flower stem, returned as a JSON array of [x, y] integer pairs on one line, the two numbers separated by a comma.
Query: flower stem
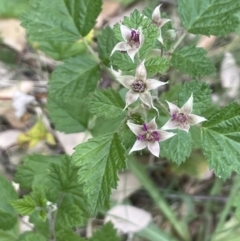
[[179, 226], [179, 41]]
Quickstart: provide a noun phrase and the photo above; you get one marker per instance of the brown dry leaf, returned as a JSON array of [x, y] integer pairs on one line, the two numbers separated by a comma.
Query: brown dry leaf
[[128, 219], [206, 42], [127, 185], [13, 34], [109, 8]]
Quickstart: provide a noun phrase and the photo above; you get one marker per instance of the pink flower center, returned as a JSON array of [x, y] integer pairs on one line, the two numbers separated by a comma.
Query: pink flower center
[[138, 86], [149, 136], [134, 39], [180, 117]]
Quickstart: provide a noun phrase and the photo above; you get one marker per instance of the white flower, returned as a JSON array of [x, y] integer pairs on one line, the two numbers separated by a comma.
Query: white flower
[[20, 102], [148, 136], [182, 118], [139, 86], [133, 41], [160, 22]]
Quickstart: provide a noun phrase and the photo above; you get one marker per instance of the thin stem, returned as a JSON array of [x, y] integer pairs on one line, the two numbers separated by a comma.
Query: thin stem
[[139, 172], [179, 41], [163, 107], [226, 210]]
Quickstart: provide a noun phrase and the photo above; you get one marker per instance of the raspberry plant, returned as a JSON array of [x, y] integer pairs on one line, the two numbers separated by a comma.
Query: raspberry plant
[[130, 117]]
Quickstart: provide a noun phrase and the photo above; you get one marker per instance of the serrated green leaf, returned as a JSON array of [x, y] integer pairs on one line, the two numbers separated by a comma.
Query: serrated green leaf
[[122, 61], [178, 148], [192, 61], [69, 86], [221, 141], [8, 8], [106, 42], [34, 237], [201, 95], [34, 167], [209, 17], [107, 232], [34, 201], [68, 21], [7, 235], [99, 160], [157, 65], [107, 103], [68, 235], [8, 216]]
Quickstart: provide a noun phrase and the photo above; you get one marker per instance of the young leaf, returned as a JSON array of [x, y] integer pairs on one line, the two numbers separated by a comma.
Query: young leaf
[[35, 201], [106, 42], [221, 141], [192, 61], [209, 17], [107, 103], [69, 86], [201, 95], [99, 160], [107, 232], [68, 21], [8, 216], [178, 148], [157, 65]]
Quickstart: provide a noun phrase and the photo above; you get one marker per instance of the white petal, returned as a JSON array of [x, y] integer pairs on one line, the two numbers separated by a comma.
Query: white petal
[[185, 127], [163, 21], [170, 125], [154, 84], [156, 15], [138, 145], [141, 72], [130, 98], [152, 126], [121, 46], [141, 37], [116, 73], [131, 53], [160, 39], [154, 148], [195, 119], [173, 108], [164, 135], [126, 80], [187, 107], [126, 32], [146, 98], [136, 129]]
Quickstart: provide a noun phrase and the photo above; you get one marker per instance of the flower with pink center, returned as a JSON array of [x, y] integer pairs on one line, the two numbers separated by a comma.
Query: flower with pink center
[[148, 136], [133, 41], [160, 22], [139, 86], [181, 117]]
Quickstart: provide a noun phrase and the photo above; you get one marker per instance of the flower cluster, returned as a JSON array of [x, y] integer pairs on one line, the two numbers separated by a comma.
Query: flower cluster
[[148, 134]]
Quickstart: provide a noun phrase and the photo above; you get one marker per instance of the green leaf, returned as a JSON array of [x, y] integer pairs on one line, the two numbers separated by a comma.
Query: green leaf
[[209, 17], [157, 65], [178, 148], [34, 237], [8, 216], [34, 167], [122, 61], [35, 201], [107, 103], [99, 160], [8, 235], [221, 141], [68, 235], [68, 21], [69, 86], [106, 42], [192, 61], [201, 95], [8, 8], [107, 232]]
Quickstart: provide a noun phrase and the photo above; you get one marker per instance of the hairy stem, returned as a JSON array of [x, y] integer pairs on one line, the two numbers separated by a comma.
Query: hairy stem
[[179, 41], [139, 172]]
